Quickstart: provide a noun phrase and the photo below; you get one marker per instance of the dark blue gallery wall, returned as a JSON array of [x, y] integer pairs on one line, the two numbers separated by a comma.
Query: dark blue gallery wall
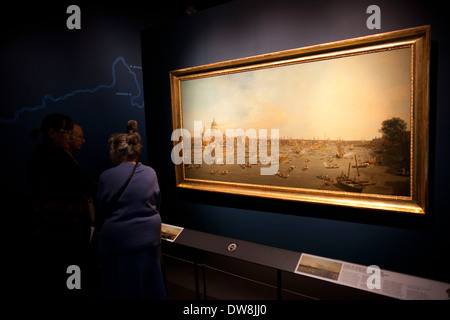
[[87, 68], [410, 244]]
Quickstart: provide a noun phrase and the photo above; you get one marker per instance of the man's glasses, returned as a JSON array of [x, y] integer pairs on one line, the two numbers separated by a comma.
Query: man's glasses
[[65, 131]]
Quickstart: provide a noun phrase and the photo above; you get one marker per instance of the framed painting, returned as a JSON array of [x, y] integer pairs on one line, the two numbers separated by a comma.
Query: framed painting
[[342, 123]]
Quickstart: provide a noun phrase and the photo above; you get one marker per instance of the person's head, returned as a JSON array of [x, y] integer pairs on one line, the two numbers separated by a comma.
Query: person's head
[[132, 126], [124, 147], [77, 139], [57, 129]]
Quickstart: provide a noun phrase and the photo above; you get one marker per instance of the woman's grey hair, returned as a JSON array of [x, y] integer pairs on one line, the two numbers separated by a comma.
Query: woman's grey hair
[[125, 147]]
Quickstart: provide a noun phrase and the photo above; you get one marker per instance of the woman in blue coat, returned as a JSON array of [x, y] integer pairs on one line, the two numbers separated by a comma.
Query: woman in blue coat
[[130, 224]]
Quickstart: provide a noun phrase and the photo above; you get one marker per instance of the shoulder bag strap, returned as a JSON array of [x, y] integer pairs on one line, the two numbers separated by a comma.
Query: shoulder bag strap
[[116, 197]]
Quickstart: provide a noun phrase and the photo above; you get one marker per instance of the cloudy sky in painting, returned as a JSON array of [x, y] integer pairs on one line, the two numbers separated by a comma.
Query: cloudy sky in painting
[[341, 98]]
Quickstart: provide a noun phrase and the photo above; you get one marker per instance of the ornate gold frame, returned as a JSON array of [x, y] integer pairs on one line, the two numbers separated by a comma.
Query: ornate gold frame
[[417, 39]]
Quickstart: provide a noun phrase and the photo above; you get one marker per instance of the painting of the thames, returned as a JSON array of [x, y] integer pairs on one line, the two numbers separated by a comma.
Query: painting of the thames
[[344, 123]]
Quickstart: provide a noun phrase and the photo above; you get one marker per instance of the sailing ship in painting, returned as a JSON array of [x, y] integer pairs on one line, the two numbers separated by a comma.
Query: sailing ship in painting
[[353, 184], [339, 151], [331, 165]]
